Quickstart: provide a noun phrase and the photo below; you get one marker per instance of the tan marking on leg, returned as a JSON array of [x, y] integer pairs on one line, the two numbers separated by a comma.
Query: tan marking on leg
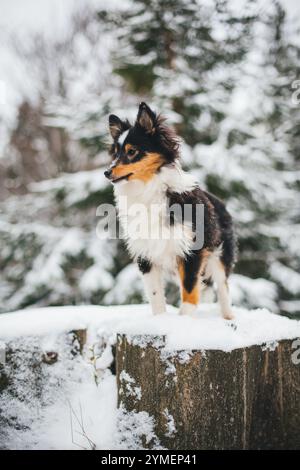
[[192, 297]]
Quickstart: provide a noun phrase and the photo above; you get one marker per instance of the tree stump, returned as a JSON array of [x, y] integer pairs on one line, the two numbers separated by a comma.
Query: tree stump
[[28, 352], [248, 398]]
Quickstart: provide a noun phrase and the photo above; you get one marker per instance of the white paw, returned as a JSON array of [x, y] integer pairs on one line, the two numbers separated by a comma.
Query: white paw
[[228, 315], [159, 312], [187, 309]]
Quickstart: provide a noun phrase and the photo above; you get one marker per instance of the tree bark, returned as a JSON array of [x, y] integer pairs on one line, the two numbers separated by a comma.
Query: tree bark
[[244, 399]]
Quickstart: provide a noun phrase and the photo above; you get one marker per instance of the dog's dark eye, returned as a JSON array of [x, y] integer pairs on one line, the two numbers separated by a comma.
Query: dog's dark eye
[[131, 152]]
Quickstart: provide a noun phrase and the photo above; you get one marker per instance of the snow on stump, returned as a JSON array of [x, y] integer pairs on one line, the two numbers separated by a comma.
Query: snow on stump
[[31, 353], [242, 398]]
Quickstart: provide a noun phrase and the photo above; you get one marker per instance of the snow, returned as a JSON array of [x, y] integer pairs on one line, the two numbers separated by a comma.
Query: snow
[[133, 427], [76, 404], [2, 352], [128, 386], [127, 283], [207, 330], [46, 252], [53, 406], [170, 423], [289, 278], [254, 292], [47, 233], [290, 306], [85, 183], [46, 276]]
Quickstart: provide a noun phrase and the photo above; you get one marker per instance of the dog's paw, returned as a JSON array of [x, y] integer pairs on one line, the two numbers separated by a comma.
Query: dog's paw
[[159, 312], [188, 309], [228, 315]]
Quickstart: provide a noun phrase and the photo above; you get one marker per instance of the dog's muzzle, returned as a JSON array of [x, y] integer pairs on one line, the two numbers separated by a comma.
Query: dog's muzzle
[[108, 173]]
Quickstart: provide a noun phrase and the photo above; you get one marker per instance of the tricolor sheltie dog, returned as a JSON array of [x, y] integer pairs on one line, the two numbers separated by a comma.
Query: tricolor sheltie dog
[[146, 172]]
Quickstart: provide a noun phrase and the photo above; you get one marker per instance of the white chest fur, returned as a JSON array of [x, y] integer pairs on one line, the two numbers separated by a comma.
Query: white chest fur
[[143, 209]]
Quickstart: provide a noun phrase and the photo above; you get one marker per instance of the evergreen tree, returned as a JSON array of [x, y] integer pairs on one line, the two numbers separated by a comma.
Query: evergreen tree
[[180, 54], [283, 119], [257, 172], [224, 80]]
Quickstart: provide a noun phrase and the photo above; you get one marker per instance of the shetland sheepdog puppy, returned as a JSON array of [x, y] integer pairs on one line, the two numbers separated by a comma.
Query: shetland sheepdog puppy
[[146, 173]]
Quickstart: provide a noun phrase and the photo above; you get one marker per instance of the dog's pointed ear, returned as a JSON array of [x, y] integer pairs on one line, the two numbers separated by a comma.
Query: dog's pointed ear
[[116, 126], [146, 118]]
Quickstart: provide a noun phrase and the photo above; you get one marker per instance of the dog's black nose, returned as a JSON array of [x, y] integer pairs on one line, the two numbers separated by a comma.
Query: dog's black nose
[[107, 173]]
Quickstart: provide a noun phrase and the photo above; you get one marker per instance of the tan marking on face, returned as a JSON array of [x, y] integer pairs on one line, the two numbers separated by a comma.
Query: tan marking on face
[[128, 147], [143, 170]]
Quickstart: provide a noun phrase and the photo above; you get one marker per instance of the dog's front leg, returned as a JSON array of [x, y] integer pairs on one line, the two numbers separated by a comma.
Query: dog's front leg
[[154, 286]]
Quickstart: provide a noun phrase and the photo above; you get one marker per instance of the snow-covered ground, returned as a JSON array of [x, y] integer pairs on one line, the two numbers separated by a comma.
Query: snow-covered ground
[[77, 404]]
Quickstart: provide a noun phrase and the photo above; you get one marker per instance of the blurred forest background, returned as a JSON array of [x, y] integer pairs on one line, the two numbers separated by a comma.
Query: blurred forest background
[[224, 74]]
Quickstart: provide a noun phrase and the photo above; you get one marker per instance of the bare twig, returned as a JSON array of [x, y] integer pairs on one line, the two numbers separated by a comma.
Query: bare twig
[[80, 423]]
